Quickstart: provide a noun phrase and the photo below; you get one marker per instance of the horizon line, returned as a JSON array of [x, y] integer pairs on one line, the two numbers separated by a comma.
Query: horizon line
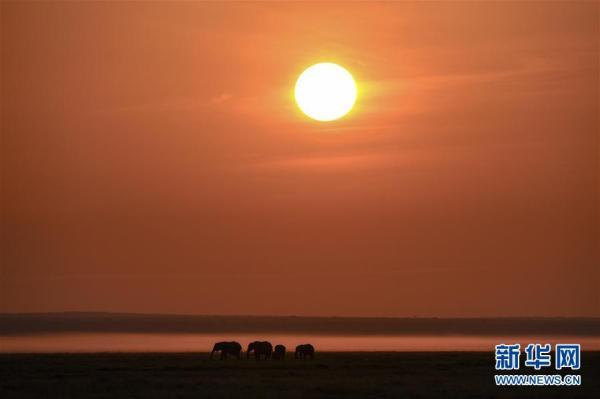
[[107, 312]]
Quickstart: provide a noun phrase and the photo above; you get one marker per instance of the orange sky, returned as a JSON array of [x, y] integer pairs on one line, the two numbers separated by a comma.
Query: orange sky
[[153, 159]]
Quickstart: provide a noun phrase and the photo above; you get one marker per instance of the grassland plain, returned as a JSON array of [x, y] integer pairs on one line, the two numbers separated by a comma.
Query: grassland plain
[[330, 375]]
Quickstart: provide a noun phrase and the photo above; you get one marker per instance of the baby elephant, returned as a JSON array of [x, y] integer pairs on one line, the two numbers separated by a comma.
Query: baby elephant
[[304, 351], [279, 352]]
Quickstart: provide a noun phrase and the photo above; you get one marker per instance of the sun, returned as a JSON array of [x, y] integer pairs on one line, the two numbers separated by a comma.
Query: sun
[[325, 91]]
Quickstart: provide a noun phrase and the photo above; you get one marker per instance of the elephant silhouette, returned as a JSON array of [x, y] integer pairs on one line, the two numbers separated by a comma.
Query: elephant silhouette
[[304, 351], [227, 348], [260, 348], [279, 352]]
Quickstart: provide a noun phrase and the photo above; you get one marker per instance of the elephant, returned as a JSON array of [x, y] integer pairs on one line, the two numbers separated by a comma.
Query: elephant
[[304, 351], [227, 348], [279, 352], [260, 348]]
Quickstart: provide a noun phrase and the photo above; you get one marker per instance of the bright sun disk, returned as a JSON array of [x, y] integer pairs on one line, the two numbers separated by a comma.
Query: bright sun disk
[[325, 91]]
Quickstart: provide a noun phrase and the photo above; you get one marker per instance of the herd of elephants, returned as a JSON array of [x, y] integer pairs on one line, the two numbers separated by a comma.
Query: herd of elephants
[[261, 349]]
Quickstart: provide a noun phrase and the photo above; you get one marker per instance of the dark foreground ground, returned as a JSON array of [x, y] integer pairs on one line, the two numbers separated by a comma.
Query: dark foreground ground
[[330, 375]]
